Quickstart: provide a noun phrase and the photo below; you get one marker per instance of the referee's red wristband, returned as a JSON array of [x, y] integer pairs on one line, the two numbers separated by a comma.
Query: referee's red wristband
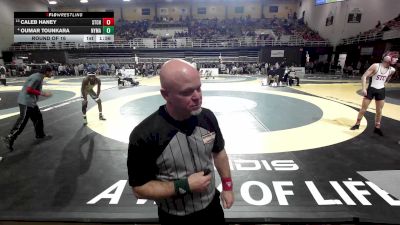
[[227, 184]]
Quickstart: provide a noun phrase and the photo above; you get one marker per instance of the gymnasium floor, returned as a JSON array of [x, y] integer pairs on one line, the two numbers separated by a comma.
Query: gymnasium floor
[[293, 157]]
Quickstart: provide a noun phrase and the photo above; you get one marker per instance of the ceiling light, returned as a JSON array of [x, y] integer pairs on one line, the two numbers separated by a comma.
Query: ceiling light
[[53, 2], [127, 0], [84, 1]]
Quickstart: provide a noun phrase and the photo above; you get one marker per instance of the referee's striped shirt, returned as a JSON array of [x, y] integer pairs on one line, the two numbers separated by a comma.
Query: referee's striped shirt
[[161, 148]]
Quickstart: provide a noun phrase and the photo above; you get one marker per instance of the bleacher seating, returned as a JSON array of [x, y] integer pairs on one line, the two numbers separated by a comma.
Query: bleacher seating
[[377, 32], [207, 33]]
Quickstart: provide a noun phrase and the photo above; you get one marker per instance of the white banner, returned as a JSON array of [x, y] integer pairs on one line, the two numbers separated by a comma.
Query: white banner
[[164, 11], [342, 59], [277, 53], [366, 51], [148, 42], [126, 72], [207, 72], [300, 71], [180, 42]]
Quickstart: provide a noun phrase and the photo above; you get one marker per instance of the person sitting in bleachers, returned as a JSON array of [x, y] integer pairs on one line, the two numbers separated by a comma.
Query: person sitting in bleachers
[[348, 70], [292, 76], [273, 77], [3, 72], [278, 75]]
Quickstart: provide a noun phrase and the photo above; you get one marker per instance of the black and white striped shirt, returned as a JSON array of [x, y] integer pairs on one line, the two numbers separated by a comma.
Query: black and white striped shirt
[[161, 148]]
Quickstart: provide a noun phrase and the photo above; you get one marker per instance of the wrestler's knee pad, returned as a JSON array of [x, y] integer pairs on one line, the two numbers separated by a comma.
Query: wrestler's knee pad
[[84, 102]]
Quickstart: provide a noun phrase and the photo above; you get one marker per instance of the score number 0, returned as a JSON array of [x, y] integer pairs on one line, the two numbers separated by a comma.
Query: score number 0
[[108, 21]]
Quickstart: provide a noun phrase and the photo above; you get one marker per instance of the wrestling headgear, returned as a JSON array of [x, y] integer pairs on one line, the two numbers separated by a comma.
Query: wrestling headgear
[[91, 71], [390, 57]]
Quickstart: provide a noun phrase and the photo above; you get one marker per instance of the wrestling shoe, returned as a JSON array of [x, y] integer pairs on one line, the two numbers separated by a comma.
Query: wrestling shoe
[[378, 131], [355, 127], [8, 143], [44, 137]]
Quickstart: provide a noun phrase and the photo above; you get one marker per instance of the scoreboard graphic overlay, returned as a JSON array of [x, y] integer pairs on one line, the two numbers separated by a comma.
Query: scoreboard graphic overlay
[[78, 27]]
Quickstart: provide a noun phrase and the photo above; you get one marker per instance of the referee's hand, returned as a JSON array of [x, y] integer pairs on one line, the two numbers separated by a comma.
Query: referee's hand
[[198, 182]]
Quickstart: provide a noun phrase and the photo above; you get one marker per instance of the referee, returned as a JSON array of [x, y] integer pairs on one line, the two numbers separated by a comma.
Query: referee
[[172, 153]]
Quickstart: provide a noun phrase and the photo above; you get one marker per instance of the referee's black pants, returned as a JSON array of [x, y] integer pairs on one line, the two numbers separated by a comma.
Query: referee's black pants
[[26, 113], [212, 214]]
